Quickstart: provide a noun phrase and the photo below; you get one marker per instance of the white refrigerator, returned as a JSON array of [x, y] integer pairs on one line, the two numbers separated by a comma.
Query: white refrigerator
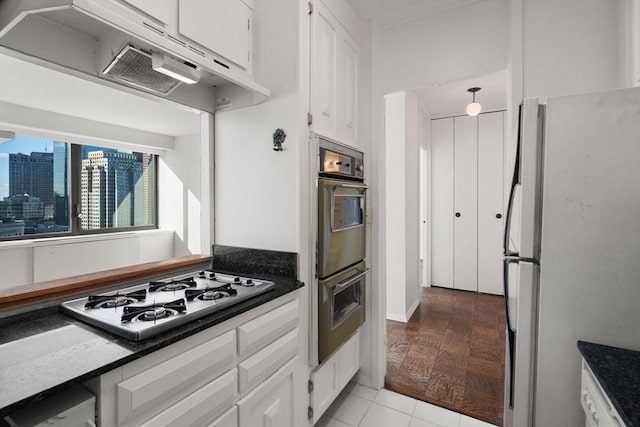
[[572, 248]]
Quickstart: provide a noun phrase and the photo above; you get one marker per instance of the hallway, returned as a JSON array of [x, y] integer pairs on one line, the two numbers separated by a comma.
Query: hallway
[[451, 353]]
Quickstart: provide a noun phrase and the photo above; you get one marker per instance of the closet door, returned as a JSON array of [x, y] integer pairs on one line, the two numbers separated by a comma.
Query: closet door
[[465, 202], [490, 202], [442, 202]]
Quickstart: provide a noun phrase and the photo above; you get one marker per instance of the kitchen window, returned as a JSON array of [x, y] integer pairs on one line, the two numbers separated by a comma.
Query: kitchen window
[[53, 188]]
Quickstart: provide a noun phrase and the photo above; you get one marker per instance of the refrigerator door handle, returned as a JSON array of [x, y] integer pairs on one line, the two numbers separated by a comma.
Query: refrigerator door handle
[[515, 181], [511, 333]]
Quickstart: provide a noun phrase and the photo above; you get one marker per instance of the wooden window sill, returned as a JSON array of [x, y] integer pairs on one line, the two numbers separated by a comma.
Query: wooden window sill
[[19, 296]]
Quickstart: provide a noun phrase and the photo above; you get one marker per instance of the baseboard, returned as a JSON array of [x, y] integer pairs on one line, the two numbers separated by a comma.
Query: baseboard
[[397, 317], [412, 309], [404, 317]]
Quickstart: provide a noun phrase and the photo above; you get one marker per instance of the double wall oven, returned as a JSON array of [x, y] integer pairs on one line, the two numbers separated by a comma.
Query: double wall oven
[[341, 245]]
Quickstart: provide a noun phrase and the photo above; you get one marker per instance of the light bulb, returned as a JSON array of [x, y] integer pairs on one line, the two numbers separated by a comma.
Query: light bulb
[[474, 109]]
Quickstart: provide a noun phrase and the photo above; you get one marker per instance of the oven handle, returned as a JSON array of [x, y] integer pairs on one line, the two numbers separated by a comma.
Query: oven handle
[[340, 286], [358, 187]]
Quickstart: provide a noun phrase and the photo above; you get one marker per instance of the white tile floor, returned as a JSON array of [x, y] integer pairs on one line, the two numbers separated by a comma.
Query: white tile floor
[[359, 406]]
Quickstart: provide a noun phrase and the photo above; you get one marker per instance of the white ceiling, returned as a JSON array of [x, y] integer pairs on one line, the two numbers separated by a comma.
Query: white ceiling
[[34, 86], [446, 99]]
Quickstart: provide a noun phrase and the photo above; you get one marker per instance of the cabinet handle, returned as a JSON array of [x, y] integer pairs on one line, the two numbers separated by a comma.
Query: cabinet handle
[[458, 214], [498, 216]]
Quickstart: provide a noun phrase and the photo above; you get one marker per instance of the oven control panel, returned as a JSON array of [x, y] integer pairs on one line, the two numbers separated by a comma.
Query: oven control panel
[[337, 159]]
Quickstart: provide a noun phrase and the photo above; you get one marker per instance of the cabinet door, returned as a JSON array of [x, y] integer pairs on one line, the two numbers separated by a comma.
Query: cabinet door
[[349, 359], [271, 403], [442, 202], [324, 69], [490, 202], [164, 11], [465, 202], [347, 96], [222, 26], [326, 386]]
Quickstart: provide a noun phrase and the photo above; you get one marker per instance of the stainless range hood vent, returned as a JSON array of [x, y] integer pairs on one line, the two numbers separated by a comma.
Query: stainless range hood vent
[[133, 66], [81, 37]]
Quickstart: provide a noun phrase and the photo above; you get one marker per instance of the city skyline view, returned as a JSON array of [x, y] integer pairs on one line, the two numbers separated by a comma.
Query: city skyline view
[[117, 187], [20, 144]]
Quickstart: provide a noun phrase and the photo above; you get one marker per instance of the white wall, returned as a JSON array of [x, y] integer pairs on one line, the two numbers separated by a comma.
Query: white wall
[[180, 205], [402, 208], [570, 47], [454, 45], [256, 188], [394, 152], [424, 139], [412, 202]]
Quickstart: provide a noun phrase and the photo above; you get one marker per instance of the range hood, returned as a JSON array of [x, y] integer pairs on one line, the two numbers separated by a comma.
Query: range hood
[[102, 40]]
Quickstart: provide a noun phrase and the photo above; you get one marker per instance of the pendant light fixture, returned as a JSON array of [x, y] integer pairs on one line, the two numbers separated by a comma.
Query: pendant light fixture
[[474, 108]]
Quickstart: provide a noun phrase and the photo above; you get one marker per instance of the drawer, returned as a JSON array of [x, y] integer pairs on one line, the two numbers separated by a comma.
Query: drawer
[[597, 407], [260, 331], [170, 381], [200, 406], [230, 419], [264, 363]]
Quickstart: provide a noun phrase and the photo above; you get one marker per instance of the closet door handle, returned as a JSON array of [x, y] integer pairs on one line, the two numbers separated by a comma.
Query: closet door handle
[[458, 214]]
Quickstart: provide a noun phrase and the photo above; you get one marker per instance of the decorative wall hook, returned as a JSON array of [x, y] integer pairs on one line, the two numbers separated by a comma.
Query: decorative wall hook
[[278, 139]]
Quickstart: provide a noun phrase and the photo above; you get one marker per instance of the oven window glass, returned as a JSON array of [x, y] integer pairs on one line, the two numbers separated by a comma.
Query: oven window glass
[[347, 211], [345, 301]]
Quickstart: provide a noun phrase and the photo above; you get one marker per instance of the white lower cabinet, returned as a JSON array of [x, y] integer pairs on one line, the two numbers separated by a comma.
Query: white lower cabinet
[[201, 406], [153, 387], [228, 419], [258, 367], [271, 403], [598, 409], [195, 382], [333, 375]]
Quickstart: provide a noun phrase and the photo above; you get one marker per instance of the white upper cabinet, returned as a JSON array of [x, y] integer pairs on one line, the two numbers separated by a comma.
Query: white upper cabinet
[[219, 27], [334, 75], [223, 26], [163, 11]]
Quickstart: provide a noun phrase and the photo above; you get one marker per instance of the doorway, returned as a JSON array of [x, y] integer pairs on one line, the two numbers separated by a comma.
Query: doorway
[[446, 346]]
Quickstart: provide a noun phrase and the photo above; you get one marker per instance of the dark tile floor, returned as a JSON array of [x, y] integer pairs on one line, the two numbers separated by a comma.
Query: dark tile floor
[[451, 353]]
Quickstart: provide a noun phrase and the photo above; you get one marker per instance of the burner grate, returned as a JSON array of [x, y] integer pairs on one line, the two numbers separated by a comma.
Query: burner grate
[[154, 312], [208, 294], [172, 285], [116, 300]]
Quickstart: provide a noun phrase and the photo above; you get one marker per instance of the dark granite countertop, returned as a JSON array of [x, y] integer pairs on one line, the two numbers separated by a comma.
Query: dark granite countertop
[[618, 372], [45, 351]]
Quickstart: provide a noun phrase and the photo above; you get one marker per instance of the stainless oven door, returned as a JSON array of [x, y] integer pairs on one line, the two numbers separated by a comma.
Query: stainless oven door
[[341, 224], [341, 308]]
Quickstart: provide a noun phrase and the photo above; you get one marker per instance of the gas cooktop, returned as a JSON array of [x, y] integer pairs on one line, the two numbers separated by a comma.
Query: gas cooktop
[[141, 311]]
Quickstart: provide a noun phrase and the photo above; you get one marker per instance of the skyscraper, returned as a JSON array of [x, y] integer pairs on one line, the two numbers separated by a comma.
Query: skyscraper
[[61, 182], [33, 175], [111, 190], [19, 174]]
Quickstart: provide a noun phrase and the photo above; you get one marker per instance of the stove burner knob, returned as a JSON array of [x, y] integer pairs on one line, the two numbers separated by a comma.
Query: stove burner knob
[[201, 274], [236, 280], [212, 275], [249, 282]]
